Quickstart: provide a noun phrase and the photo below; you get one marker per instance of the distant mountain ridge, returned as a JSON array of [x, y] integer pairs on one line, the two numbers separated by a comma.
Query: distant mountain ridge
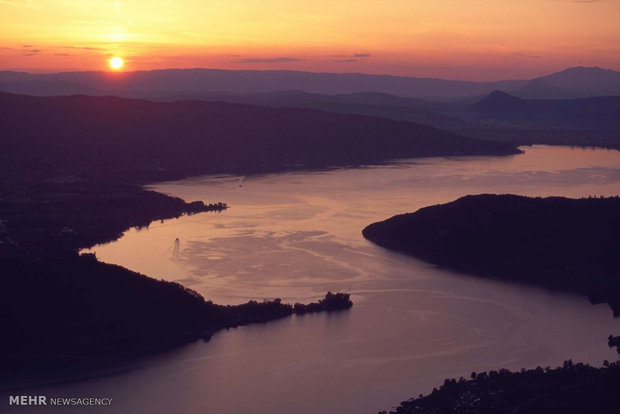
[[577, 82], [601, 112], [139, 84], [361, 103]]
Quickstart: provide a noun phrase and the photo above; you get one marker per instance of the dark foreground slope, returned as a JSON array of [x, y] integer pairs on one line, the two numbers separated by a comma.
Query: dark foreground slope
[[557, 242], [570, 389], [78, 307]]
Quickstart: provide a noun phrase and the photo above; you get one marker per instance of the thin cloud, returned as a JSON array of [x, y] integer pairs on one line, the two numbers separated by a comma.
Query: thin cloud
[[31, 52], [282, 59], [80, 47], [527, 55], [350, 58]]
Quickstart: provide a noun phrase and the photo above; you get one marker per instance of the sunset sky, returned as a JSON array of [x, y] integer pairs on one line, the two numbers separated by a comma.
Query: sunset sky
[[457, 39]]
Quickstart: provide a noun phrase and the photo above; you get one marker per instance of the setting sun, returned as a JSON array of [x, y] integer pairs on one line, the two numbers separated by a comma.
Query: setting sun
[[116, 63]]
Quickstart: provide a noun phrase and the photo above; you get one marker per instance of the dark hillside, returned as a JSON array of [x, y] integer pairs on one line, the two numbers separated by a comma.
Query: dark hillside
[[127, 137], [602, 113], [558, 242], [77, 307]]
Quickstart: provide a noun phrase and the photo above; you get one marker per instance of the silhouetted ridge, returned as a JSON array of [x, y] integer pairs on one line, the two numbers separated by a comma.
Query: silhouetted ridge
[[115, 136], [77, 306], [597, 113], [570, 389], [497, 97], [139, 83], [577, 82], [563, 243]]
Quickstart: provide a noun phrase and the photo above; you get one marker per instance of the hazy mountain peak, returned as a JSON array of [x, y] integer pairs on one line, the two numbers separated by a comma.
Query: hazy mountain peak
[[580, 69], [496, 99], [575, 82], [497, 94], [596, 113]]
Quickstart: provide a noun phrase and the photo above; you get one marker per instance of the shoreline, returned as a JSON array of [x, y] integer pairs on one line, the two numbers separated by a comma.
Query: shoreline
[[56, 211], [157, 351]]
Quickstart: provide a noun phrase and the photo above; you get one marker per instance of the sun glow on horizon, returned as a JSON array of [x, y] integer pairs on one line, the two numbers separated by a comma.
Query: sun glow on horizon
[[473, 40], [116, 63]]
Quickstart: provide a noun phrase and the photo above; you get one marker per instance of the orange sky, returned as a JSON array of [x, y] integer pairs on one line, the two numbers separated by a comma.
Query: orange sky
[[458, 39]]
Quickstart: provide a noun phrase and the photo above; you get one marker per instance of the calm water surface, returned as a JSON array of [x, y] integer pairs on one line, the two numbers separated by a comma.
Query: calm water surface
[[298, 235]]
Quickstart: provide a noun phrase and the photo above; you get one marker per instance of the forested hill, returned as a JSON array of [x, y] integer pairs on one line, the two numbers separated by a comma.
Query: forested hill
[[601, 113], [558, 242], [128, 137]]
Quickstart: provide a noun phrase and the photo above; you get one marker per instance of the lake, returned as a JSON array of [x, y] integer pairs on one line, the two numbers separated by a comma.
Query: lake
[[298, 235]]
